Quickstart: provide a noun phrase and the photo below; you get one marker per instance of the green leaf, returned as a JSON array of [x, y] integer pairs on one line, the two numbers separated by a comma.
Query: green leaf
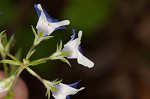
[[39, 61], [56, 81], [48, 94], [59, 55], [40, 34], [12, 67], [53, 88], [65, 61], [9, 43], [30, 54], [59, 48], [4, 40], [33, 30], [14, 58], [47, 37], [11, 62], [65, 53], [2, 32], [18, 54]]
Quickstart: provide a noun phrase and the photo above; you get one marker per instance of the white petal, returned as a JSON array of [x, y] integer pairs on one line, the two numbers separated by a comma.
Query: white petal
[[43, 24], [72, 46], [64, 90], [84, 61], [61, 23], [42, 16]]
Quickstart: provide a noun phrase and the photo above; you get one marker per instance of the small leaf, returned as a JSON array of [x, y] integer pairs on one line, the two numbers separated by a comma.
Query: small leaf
[[48, 94], [4, 40], [65, 61], [11, 62], [47, 37], [33, 30], [53, 88], [18, 54], [59, 55], [14, 58], [1, 34], [57, 48], [60, 46], [12, 67], [9, 43], [55, 82], [65, 53], [40, 34]]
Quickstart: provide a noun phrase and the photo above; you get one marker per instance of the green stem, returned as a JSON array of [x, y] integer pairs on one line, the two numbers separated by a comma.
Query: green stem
[[31, 49], [34, 74], [5, 69], [18, 72], [4, 64]]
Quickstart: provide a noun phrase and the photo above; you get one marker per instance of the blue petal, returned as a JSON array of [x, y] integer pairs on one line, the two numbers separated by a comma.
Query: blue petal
[[80, 49], [61, 27], [38, 11], [50, 19], [68, 97], [74, 85], [73, 34]]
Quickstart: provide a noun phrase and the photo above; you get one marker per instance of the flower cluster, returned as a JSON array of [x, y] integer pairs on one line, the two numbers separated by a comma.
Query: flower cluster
[[71, 50]]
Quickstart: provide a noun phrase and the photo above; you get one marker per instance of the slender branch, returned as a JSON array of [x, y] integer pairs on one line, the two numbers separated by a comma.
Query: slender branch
[[31, 49], [34, 73]]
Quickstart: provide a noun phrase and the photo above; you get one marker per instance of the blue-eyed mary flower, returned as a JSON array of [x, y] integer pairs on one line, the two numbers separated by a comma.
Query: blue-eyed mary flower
[[64, 91], [74, 47], [46, 23], [6, 84]]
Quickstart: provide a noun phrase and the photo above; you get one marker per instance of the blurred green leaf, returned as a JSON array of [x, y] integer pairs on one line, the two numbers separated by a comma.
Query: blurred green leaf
[[9, 11], [38, 61], [11, 62], [11, 40], [18, 56], [14, 58], [88, 14]]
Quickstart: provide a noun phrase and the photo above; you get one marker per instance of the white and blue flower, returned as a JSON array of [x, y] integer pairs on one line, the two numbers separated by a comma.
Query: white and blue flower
[[74, 47], [64, 91], [6, 83], [46, 23]]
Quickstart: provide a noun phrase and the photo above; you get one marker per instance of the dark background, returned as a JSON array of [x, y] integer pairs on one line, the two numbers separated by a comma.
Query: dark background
[[116, 37]]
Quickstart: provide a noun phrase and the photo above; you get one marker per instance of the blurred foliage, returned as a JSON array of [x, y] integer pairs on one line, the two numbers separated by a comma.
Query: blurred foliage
[[88, 15], [9, 10]]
